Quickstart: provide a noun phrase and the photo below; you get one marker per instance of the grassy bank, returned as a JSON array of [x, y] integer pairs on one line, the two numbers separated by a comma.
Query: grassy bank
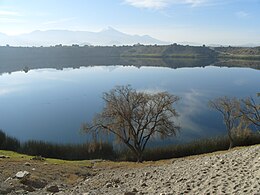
[[105, 150]]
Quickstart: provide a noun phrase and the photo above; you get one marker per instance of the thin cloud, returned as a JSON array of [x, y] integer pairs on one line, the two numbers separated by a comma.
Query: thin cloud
[[9, 17], [160, 4], [242, 14], [191, 106], [6, 91], [10, 20], [8, 13], [153, 4]]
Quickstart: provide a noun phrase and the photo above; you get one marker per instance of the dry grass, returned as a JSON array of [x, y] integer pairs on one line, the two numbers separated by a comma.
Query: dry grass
[[49, 170]]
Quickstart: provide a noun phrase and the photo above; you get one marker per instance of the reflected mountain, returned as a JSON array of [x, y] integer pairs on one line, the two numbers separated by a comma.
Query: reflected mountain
[[239, 63], [13, 65], [14, 59]]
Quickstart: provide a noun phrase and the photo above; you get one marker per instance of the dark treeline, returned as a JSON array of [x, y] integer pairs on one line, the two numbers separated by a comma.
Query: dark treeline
[[59, 57], [97, 150], [8, 143], [201, 146], [59, 151]]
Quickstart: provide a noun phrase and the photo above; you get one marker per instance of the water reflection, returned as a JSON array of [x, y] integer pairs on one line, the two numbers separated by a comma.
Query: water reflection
[[9, 65], [51, 105]]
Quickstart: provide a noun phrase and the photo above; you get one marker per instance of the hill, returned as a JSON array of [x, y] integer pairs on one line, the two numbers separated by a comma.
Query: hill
[[250, 53], [18, 58], [166, 51], [106, 37]]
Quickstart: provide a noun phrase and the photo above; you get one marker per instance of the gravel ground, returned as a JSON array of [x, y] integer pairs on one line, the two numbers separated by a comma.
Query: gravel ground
[[229, 172], [233, 172]]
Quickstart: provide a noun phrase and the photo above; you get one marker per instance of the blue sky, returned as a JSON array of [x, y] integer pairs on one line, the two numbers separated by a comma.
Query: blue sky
[[200, 21]]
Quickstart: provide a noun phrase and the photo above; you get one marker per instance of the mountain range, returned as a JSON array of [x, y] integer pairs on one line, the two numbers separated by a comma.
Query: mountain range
[[109, 36]]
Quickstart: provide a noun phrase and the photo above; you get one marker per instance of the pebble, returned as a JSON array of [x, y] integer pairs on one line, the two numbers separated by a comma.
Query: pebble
[[27, 164], [129, 193], [134, 190], [53, 189], [109, 185], [146, 174], [21, 174], [3, 156]]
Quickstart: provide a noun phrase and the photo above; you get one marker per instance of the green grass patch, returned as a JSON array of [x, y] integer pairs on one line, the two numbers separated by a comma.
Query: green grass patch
[[14, 155]]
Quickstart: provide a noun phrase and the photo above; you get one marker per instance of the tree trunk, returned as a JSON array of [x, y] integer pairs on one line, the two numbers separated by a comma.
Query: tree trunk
[[138, 153], [231, 141], [139, 157], [231, 144]]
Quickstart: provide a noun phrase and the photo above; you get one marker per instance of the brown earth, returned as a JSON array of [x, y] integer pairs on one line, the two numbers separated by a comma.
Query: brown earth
[[43, 174]]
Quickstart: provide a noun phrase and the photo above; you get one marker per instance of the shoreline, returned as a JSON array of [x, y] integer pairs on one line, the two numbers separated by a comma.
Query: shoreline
[[236, 171]]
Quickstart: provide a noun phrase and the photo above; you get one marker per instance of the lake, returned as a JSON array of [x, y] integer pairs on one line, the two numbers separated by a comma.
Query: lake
[[51, 105]]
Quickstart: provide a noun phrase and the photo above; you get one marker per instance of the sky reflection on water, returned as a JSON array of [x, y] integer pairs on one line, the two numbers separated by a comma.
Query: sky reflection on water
[[51, 105]]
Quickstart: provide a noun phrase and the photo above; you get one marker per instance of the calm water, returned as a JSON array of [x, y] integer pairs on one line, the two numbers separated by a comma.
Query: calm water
[[51, 105]]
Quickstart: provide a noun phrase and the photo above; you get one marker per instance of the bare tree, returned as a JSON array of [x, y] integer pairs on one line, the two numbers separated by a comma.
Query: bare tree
[[135, 117], [228, 107], [250, 111]]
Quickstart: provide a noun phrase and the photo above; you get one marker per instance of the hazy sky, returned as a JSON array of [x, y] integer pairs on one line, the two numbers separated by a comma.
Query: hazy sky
[[200, 21]]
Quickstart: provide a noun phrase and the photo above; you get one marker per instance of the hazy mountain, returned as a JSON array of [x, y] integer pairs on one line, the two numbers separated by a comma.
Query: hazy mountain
[[107, 36]]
